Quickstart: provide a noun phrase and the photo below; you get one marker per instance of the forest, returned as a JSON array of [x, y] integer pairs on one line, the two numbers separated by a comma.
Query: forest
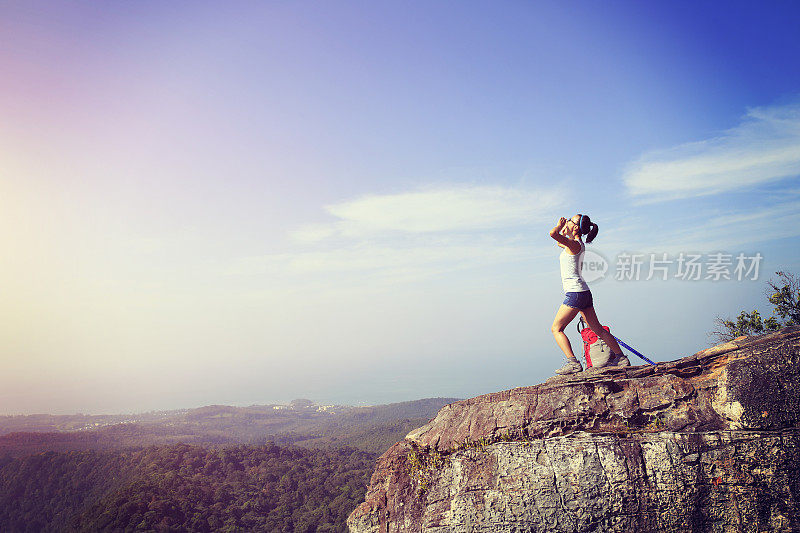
[[184, 488], [297, 468]]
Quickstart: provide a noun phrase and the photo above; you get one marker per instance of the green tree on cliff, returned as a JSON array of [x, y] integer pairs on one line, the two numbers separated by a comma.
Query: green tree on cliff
[[784, 295]]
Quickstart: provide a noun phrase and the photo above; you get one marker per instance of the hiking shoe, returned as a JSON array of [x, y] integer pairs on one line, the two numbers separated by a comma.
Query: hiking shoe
[[572, 367], [619, 360]]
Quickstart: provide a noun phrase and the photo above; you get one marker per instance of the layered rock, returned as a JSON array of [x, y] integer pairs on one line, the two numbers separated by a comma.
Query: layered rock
[[707, 442]]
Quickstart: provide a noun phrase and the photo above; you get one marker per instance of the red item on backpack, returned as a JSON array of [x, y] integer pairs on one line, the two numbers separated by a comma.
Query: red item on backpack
[[589, 337]]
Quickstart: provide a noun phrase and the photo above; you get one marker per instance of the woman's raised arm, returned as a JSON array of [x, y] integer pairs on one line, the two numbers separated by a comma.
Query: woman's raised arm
[[564, 242]]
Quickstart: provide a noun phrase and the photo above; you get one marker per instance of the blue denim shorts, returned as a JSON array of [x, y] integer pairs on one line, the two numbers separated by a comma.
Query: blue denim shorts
[[579, 300]]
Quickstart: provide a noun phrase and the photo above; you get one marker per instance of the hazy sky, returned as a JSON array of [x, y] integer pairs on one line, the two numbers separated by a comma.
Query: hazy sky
[[249, 202]]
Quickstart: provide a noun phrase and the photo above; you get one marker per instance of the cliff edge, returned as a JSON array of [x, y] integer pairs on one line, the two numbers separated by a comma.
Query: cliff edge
[[709, 442]]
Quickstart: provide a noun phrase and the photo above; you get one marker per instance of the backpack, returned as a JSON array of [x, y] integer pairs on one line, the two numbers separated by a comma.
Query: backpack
[[595, 350]]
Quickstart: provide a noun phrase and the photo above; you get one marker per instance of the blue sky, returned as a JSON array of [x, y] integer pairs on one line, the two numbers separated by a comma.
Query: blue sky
[[249, 202]]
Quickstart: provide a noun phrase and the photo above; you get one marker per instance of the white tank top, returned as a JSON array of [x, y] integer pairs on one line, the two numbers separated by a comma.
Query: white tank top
[[571, 277]]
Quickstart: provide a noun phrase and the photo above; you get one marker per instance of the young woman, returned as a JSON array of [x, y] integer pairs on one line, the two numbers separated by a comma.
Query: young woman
[[578, 299]]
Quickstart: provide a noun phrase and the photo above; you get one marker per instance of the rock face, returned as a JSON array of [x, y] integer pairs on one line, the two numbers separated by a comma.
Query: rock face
[[710, 442]]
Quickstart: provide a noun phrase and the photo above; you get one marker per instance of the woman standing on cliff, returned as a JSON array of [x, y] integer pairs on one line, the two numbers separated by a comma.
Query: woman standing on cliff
[[578, 299]]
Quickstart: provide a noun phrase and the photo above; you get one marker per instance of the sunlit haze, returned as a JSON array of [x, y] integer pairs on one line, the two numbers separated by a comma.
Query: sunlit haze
[[248, 202]]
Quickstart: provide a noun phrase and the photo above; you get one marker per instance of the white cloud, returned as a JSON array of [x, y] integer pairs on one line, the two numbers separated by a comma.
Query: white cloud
[[389, 261], [764, 147], [443, 209], [412, 236]]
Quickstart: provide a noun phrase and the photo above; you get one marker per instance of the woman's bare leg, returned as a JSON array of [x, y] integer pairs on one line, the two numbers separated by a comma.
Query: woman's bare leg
[[564, 316], [590, 317]]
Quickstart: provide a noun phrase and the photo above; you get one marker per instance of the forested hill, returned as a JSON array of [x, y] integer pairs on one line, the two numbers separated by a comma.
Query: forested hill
[[184, 488], [208, 469]]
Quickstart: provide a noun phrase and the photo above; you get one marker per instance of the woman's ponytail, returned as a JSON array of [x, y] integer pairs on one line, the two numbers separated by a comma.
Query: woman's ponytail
[[592, 233], [587, 228]]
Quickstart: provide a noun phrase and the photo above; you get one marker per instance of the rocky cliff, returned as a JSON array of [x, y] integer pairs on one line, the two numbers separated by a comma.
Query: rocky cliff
[[709, 442]]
